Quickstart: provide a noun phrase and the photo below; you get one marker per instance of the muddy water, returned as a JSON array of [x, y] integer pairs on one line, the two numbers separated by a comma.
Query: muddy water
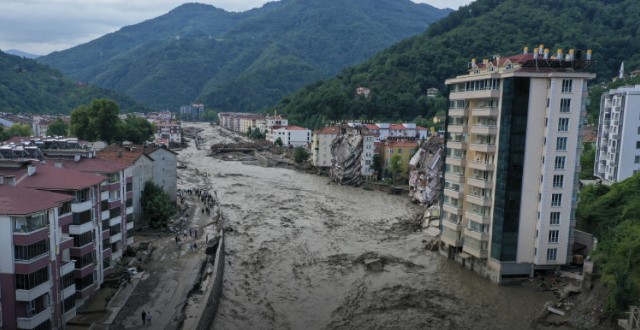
[[296, 255]]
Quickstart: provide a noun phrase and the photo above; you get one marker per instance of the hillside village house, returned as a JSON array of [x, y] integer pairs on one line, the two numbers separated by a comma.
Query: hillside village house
[[404, 149], [294, 136], [168, 133], [321, 145]]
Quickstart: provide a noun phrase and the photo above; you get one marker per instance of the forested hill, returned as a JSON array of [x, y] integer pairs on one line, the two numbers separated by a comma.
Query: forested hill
[[27, 86], [241, 61], [400, 75]]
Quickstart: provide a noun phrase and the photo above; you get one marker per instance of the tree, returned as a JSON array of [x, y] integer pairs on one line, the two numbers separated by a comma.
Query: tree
[[395, 166], [157, 206], [20, 130], [98, 121], [300, 155], [134, 129], [58, 128], [377, 164], [279, 142], [587, 161]]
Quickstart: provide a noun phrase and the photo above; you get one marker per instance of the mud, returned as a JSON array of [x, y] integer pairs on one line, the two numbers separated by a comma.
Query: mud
[[295, 259]]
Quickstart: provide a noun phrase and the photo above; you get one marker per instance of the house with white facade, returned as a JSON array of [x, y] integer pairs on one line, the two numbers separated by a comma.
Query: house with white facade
[[294, 136]]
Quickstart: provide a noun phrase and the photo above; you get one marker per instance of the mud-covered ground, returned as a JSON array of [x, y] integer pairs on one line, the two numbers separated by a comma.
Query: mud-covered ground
[[297, 251]]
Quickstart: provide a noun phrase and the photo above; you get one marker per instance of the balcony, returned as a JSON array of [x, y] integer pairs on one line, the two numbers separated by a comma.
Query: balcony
[[29, 295], [68, 291], [67, 268], [483, 219], [80, 229], [474, 94], [478, 200], [453, 193], [82, 206], [104, 195], [115, 238], [115, 221], [104, 215], [66, 242], [455, 161], [480, 182], [476, 235], [456, 226], [484, 129], [130, 240], [457, 210], [451, 128], [461, 145], [480, 254], [29, 234], [483, 147], [129, 225], [458, 112], [480, 165], [129, 210], [451, 237], [484, 112], [455, 178], [34, 321]]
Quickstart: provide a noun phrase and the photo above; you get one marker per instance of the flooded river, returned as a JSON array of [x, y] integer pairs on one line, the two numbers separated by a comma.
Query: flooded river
[[296, 250]]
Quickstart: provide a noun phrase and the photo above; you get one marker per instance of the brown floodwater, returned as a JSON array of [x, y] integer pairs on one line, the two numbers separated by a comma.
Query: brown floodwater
[[296, 250]]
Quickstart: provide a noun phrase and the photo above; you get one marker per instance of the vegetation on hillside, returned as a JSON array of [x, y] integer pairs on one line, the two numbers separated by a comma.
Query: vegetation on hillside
[[157, 207], [241, 61], [400, 75], [612, 214], [29, 87]]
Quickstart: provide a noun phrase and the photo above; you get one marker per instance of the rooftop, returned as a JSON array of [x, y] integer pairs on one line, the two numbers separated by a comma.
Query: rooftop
[[20, 201]]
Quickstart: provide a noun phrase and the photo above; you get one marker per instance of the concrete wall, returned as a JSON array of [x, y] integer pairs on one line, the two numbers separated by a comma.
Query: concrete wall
[[209, 312]]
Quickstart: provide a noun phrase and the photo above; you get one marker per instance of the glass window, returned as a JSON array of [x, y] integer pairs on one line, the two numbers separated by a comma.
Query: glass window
[[554, 218], [563, 124], [559, 165], [553, 236], [556, 200], [565, 105], [558, 181], [561, 144], [567, 85], [552, 254]]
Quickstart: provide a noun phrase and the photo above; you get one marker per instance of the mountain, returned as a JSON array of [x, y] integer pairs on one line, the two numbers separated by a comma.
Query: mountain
[[241, 61], [20, 53], [399, 76], [28, 86]]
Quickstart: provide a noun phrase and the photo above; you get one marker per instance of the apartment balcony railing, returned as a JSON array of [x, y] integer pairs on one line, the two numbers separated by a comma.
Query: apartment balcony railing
[[453, 209], [458, 112], [460, 145], [452, 224], [29, 295], [483, 147], [480, 182], [462, 94], [454, 177], [478, 253], [476, 234], [484, 112], [480, 165], [35, 320], [456, 128], [453, 193], [458, 161], [477, 217], [484, 129], [478, 200], [81, 206]]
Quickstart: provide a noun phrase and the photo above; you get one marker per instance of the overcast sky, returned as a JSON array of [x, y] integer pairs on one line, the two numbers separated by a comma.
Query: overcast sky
[[42, 26]]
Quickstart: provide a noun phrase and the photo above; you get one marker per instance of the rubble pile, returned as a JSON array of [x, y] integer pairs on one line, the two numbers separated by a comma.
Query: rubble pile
[[426, 172], [346, 151], [241, 146]]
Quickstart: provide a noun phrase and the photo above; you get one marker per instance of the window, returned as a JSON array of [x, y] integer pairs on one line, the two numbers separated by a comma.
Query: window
[[30, 223], [560, 162], [556, 200], [32, 280], [82, 239], [565, 105], [561, 144], [553, 236], [563, 124], [28, 252], [554, 218], [567, 87], [637, 160], [558, 181], [552, 254], [637, 144]]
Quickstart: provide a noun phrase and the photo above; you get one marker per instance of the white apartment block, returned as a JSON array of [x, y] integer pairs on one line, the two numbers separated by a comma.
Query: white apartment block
[[618, 144], [512, 162], [321, 145], [293, 136], [368, 150]]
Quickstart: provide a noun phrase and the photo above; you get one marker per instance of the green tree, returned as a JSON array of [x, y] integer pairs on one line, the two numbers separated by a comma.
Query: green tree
[[20, 130], [587, 161], [395, 166], [98, 121], [134, 129], [279, 142], [300, 155], [58, 128], [157, 207], [377, 164]]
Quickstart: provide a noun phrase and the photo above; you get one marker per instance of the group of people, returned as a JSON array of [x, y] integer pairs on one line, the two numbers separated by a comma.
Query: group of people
[[146, 318]]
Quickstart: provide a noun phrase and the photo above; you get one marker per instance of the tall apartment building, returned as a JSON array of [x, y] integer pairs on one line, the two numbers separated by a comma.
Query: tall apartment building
[[512, 162], [618, 144]]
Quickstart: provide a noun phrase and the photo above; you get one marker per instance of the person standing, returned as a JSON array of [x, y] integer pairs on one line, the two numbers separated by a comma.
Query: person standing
[[144, 317], [149, 318]]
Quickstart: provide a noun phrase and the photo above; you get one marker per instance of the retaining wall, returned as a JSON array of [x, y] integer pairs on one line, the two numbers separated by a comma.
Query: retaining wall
[[211, 308]]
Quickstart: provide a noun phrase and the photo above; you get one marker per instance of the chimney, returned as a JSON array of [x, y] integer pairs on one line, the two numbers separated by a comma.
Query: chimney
[[31, 170]]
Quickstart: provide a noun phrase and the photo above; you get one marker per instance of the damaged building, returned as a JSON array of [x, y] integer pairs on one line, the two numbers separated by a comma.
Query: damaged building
[[425, 172], [352, 153]]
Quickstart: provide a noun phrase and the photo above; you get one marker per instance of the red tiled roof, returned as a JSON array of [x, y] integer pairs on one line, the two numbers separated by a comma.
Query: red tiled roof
[[94, 165], [401, 144], [420, 128], [22, 201], [49, 177], [328, 130], [119, 154], [372, 126], [294, 128]]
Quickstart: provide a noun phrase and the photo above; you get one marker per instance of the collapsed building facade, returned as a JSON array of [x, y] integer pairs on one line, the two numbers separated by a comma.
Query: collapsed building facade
[[425, 172], [352, 156]]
